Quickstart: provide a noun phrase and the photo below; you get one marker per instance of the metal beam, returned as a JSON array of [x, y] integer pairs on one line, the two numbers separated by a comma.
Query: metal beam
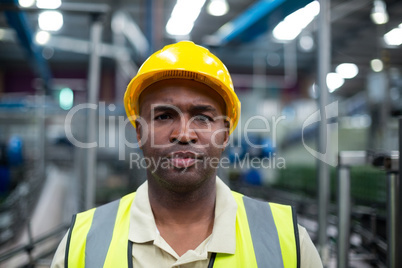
[[324, 62], [122, 23], [398, 235], [93, 98], [344, 213]]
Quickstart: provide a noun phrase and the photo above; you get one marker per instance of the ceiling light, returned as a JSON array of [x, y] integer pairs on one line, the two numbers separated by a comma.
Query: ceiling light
[[42, 37], [26, 3], [183, 16], [50, 20], [273, 59], [176, 27], [334, 81], [393, 37], [218, 7], [293, 24], [48, 4], [47, 53], [347, 70], [379, 13], [306, 42], [377, 65]]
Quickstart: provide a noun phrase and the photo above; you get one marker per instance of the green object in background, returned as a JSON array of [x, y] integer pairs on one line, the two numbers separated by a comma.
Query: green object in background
[[66, 98], [368, 184]]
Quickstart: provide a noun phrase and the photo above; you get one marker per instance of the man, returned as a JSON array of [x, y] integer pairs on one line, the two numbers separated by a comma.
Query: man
[[183, 107]]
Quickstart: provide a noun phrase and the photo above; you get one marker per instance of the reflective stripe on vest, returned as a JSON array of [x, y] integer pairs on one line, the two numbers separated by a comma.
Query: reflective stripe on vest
[[266, 236], [99, 237]]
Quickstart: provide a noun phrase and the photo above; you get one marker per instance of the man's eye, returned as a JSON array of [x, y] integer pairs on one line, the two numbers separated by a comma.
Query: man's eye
[[163, 117], [203, 118]]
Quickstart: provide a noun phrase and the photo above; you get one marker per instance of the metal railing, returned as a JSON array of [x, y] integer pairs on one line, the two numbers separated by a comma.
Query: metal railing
[[389, 163], [28, 247]]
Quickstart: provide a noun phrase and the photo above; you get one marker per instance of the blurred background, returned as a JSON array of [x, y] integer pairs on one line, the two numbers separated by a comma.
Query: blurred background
[[66, 145]]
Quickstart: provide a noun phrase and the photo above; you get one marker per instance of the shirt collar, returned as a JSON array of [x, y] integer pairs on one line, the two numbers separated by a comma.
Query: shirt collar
[[223, 238], [142, 222]]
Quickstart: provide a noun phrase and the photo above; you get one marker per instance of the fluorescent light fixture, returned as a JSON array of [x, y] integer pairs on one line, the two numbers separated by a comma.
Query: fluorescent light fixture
[[393, 37], [176, 27], [293, 24], [334, 81], [50, 20], [379, 13], [26, 3], [183, 16], [376, 65], [42, 37], [48, 4], [347, 70], [218, 7]]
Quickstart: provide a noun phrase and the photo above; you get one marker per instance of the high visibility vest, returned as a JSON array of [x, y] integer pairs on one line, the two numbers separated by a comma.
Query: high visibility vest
[[266, 236]]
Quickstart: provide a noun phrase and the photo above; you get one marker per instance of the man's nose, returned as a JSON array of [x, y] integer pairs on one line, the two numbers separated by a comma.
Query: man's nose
[[183, 133]]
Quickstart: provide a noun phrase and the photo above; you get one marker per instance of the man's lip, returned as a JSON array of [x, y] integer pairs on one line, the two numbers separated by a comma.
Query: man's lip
[[185, 154], [184, 159], [183, 162]]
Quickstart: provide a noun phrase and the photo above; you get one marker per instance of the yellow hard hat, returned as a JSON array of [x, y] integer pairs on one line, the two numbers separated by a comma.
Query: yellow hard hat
[[184, 60]]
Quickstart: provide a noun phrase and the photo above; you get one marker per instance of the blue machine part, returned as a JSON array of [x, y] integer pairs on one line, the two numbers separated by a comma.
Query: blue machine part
[[4, 171], [5, 179], [261, 17], [253, 177], [268, 148], [15, 151]]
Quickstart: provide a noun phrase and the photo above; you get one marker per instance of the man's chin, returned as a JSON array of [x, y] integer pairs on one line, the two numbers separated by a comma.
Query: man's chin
[[180, 179]]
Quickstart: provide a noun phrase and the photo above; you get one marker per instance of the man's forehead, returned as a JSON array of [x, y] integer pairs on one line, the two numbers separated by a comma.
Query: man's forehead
[[181, 91]]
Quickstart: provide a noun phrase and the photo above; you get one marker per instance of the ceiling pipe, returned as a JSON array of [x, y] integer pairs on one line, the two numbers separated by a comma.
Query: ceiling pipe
[[255, 21]]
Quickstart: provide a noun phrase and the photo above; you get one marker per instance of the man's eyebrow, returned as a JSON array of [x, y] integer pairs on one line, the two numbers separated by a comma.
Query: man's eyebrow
[[162, 107], [204, 108]]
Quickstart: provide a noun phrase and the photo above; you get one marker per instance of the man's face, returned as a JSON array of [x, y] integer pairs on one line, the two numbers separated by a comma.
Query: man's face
[[183, 129]]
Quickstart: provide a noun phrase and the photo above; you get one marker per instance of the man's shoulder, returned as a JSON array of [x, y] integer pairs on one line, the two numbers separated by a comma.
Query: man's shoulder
[[257, 201], [125, 200]]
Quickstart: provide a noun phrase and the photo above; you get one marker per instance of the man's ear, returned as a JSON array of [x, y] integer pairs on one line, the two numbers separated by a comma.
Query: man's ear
[[138, 130]]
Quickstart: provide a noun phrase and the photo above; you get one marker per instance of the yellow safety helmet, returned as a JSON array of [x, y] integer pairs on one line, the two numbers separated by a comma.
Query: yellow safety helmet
[[184, 60]]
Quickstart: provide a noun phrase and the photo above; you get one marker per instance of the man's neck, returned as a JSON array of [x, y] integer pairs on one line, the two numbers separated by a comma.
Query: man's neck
[[184, 220], [181, 208]]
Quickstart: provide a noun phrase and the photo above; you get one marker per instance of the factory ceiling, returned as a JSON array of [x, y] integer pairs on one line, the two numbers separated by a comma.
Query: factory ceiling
[[354, 36]]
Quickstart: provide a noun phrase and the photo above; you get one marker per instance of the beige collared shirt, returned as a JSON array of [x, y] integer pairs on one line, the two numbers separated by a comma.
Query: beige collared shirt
[[150, 249]]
